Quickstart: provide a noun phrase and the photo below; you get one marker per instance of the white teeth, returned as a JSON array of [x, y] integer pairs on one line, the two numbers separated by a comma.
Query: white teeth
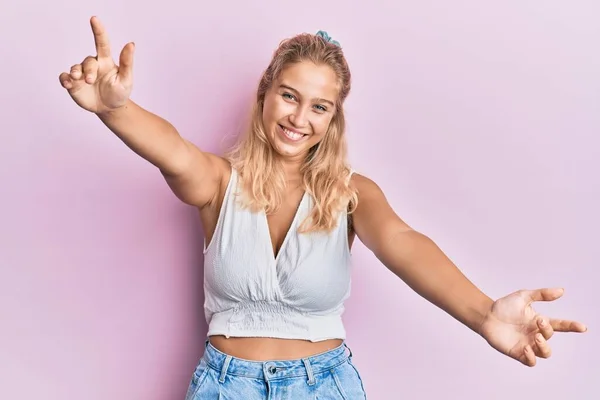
[[292, 135]]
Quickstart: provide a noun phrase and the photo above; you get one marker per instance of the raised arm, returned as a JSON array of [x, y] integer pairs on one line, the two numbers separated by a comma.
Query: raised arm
[[100, 86]]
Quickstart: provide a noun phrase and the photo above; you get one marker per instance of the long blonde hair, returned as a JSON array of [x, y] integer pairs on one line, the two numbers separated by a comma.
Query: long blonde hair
[[325, 170]]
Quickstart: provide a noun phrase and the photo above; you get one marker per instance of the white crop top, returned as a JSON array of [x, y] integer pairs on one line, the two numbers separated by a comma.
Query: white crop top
[[249, 292]]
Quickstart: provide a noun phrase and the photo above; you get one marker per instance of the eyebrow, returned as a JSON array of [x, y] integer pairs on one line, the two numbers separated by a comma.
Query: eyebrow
[[284, 86]]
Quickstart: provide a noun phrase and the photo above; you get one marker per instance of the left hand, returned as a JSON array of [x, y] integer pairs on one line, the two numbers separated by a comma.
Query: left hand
[[513, 327]]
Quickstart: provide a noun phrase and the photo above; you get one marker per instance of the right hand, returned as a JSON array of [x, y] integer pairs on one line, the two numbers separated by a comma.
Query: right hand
[[97, 84]]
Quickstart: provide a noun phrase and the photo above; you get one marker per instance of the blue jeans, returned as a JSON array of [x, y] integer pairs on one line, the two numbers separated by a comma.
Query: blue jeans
[[328, 375]]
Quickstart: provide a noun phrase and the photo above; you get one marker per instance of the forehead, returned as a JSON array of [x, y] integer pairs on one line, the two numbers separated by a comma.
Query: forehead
[[310, 80]]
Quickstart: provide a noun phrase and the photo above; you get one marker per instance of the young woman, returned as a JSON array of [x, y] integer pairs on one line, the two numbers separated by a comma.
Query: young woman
[[280, 213]]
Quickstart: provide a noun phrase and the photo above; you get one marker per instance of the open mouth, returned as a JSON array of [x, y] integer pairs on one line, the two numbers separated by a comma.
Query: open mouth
[[292, 135]]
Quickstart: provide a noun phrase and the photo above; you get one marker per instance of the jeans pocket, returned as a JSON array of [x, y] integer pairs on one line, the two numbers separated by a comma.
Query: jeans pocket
[[197, 380], [349, 382], [339, 380]]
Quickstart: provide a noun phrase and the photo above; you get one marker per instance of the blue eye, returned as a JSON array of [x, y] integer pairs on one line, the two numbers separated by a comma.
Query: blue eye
[[289, 96], [321, 108]]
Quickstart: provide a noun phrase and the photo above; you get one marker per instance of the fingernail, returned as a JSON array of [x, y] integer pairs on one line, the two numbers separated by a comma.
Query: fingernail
[[543, 322], [539, 337]]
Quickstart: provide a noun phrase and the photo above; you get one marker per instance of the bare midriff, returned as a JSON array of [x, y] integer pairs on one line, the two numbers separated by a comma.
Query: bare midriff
[[269, 349]]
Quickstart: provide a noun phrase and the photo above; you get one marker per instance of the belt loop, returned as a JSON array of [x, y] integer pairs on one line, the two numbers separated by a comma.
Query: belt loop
[[309, 371], [350, 355], [224, 368]]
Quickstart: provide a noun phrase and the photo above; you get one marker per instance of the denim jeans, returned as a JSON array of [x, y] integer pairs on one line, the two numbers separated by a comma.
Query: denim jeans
[[326, 376]]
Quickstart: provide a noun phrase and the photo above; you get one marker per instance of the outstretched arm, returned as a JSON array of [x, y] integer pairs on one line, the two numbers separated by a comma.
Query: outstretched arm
[[415, 258], [510, 325]]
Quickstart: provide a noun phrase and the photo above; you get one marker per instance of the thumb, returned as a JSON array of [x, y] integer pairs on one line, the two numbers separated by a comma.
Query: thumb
[[126, 63], [545, 294]]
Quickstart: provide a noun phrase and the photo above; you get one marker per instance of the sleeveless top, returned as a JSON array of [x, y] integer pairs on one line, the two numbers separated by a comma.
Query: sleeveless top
[[299, 294]]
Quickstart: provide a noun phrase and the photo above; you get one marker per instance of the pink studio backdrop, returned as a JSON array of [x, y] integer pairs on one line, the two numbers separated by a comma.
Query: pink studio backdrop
[[480, 122]]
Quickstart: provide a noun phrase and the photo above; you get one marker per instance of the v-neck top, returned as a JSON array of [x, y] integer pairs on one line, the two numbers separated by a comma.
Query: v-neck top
[[250, 292]]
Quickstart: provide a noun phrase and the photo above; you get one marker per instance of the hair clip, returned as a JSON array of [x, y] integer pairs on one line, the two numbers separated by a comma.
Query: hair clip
[[328, 38]]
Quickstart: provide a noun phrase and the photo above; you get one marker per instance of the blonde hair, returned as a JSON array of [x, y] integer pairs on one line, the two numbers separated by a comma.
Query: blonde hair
[[325, 170]]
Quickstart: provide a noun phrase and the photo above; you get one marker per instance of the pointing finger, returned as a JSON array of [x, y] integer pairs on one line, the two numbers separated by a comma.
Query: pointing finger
[[563, 325], [100, 38], [126, 63]]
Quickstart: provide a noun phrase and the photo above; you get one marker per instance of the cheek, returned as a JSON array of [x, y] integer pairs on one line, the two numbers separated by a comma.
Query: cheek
[[267, 111], [321, 125], [272, 111]]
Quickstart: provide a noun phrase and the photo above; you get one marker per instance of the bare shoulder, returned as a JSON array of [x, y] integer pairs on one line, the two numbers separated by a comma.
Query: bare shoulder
[[374, 219], [368, 190]]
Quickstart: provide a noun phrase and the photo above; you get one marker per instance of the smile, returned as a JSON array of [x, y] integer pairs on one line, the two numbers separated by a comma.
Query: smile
[[292, 135]]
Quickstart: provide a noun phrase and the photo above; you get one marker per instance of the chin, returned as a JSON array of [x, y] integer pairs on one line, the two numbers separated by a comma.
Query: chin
[[288, 150]]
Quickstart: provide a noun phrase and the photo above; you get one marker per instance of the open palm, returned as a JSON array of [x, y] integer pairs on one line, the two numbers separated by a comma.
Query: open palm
[[514, 328], [97, 84]]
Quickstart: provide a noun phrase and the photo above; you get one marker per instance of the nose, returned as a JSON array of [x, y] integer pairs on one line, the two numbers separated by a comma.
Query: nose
[[299, 118]]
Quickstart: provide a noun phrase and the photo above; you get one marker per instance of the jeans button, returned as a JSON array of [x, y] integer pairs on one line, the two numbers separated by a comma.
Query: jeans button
[[272, 369]]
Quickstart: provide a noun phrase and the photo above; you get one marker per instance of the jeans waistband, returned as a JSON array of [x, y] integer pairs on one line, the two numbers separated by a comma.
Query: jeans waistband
[[275, 369]]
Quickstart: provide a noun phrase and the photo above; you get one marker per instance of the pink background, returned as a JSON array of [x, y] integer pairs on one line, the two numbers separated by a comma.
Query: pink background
[[480, 122]]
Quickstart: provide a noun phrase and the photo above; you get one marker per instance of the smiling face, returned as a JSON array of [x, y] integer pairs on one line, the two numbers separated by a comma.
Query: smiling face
[[298, 108]]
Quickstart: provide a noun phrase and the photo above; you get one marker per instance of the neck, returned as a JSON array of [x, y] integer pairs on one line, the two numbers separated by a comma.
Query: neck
[[291, 170]]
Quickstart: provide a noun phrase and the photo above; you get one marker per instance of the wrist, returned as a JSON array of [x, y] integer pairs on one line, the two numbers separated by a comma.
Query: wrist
[[113, 112], [484, 310]]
